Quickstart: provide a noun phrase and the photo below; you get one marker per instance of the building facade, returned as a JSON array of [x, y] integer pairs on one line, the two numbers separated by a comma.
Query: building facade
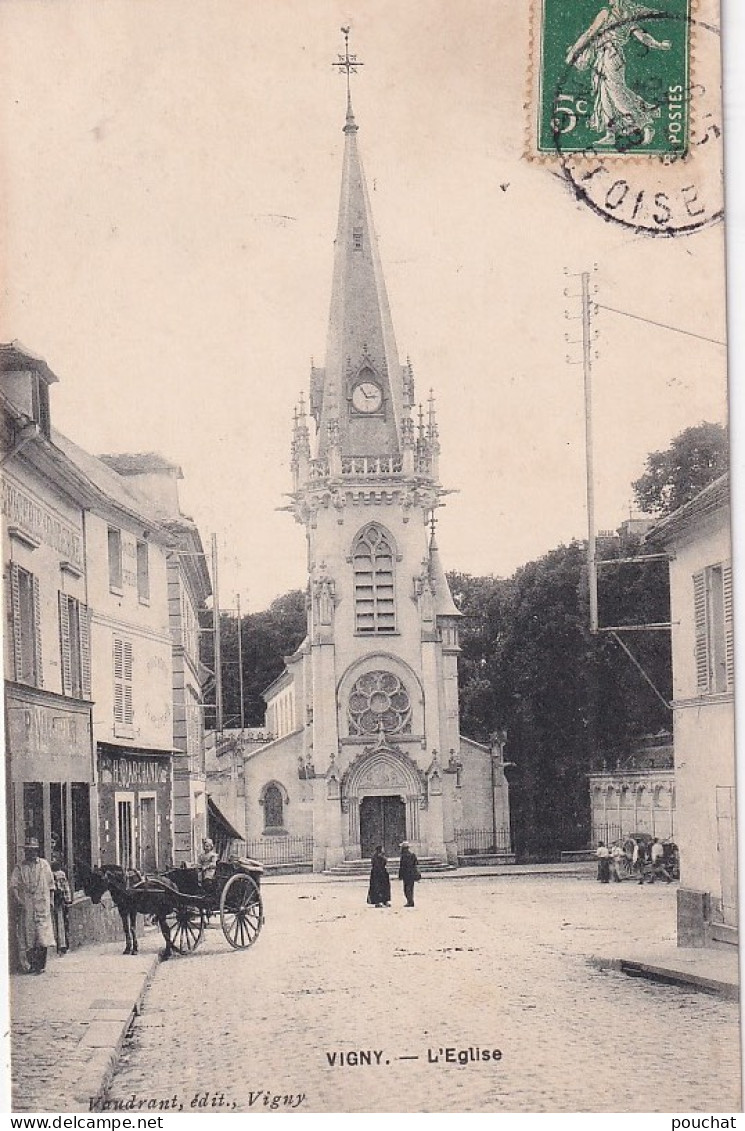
[[368, 748], [698, 539], [127, 551], [637, 795], [50, 762], [188, 587]]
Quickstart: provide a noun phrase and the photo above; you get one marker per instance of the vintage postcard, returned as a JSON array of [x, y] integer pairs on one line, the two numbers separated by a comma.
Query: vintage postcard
[[367, 559]]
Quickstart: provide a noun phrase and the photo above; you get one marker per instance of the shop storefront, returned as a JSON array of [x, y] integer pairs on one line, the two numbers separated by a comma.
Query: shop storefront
[[134, 807], [51, 774]]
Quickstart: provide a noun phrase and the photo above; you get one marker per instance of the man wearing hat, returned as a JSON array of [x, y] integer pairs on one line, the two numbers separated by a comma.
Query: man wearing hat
[[32, 887], [408, 871]]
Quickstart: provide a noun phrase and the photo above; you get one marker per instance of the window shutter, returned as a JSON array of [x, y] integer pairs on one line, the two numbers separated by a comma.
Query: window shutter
[[118, 680], [14, 597], [729, 634], [702, 639], [85, 650], [127, 675], [37, 631], [64, 637]]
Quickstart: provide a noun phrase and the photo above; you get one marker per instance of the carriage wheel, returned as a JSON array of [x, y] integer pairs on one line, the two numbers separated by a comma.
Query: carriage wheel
[[186, 927], [241, 911], [625, 870]]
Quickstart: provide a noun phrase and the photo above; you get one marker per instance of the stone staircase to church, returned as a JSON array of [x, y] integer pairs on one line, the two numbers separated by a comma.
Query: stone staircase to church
[[362, 867]]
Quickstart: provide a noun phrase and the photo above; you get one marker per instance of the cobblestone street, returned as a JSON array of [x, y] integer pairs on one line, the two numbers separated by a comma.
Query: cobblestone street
[[486, 963]]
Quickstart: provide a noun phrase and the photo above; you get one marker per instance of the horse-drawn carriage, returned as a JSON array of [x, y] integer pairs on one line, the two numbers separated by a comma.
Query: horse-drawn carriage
[[627, 864], [183, 904]]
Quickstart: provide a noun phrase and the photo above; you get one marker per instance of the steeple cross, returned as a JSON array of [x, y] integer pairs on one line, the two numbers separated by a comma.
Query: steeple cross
[[347, 63]]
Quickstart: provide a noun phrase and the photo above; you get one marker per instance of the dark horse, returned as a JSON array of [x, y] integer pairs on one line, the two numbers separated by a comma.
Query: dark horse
[[132, 895]]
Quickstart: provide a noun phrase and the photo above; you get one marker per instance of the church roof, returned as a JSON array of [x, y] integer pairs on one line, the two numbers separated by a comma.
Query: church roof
[[361, 344]]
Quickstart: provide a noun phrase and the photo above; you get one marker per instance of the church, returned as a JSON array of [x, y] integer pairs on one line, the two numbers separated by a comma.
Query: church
[[366, 746]]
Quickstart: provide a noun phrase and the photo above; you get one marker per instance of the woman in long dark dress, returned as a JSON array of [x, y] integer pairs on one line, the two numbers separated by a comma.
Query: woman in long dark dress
[[379, 892]]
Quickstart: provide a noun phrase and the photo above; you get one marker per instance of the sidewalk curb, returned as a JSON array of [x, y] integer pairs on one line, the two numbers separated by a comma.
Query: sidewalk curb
[[105, 1055], [668, 975]]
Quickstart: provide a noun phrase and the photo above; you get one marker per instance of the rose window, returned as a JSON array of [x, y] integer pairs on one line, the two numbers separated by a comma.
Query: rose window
[[379, 700]]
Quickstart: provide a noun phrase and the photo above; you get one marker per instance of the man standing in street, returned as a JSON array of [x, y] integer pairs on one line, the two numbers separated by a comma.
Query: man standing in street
[[603, 855], [33, 886], [408, 871]]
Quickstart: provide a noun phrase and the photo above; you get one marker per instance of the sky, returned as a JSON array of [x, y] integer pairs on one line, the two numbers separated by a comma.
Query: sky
[[172, 179]]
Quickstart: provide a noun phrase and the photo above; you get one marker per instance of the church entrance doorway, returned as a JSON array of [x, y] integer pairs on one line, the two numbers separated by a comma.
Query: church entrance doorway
[[382, 821]]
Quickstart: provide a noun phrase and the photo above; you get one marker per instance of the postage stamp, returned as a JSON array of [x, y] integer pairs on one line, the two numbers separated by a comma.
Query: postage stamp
[[614, 77]]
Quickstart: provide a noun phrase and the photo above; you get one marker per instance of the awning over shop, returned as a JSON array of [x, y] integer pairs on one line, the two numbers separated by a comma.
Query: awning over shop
[[220, 829]]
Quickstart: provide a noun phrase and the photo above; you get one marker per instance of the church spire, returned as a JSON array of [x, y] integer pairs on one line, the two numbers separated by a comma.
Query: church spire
[[363, 382]]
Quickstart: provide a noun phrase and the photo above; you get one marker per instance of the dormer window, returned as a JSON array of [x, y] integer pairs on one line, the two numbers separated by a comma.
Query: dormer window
[[40, 403], [357, 239], [29, 392]]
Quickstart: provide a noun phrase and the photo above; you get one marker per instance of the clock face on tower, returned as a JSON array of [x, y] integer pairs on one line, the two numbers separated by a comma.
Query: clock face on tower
[[367, 396]]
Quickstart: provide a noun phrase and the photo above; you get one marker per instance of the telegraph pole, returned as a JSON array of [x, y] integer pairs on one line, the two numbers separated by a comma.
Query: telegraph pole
[[240, 659], [216, 626], [592, 571]]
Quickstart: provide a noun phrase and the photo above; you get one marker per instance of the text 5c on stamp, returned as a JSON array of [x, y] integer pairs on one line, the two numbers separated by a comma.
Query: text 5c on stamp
[[614, 77]]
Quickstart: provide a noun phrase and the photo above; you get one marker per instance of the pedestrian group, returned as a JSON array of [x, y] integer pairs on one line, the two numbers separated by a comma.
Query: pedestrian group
[[41, 896], [647, 862], [379, 892]]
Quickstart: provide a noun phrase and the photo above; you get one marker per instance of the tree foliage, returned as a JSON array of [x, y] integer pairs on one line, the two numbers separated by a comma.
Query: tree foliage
[[695, 458], [566, 697], [266, 638]]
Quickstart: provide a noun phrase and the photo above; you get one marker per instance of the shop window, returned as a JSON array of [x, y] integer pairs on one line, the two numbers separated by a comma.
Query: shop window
[[75, 647], [81, 828], [58, 813], [115, 559], [374, 604], [33, 813], [26, 622], [124, 832]]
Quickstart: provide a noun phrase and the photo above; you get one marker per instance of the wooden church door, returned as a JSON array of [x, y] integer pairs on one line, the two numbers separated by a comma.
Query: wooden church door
[[382, 821]]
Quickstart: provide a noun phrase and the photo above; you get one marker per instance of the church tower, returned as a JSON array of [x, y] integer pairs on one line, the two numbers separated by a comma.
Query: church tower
[[373, 690]]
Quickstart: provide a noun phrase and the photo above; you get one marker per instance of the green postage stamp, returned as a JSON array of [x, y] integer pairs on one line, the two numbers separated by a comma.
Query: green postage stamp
[[614, 77]]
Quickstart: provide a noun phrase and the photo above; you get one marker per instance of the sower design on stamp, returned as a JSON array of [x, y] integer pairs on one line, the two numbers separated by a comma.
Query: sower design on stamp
[[614, 77]]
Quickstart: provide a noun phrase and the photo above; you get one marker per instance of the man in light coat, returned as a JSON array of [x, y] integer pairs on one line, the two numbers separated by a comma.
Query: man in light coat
[[32, 887]]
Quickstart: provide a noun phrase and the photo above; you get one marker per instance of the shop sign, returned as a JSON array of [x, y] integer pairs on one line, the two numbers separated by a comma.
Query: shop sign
[[123, 769], [28, 514]]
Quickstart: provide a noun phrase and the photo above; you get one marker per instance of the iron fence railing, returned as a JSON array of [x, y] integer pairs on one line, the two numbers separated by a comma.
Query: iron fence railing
[[607, 832], [482, 842], [276, 849]]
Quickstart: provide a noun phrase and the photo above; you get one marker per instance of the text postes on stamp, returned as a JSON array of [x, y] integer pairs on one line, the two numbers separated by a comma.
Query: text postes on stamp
[[614, 77]]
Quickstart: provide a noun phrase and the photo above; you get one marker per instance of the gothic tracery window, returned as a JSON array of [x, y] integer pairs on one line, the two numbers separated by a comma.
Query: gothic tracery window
[[374, 603], [273, 807], [379, 699]]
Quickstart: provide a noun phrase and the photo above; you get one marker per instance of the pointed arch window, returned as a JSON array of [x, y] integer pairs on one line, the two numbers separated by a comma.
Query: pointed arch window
[[374, 594]]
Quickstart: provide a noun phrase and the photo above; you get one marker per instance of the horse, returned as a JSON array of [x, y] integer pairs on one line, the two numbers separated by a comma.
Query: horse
[[132, 894]]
